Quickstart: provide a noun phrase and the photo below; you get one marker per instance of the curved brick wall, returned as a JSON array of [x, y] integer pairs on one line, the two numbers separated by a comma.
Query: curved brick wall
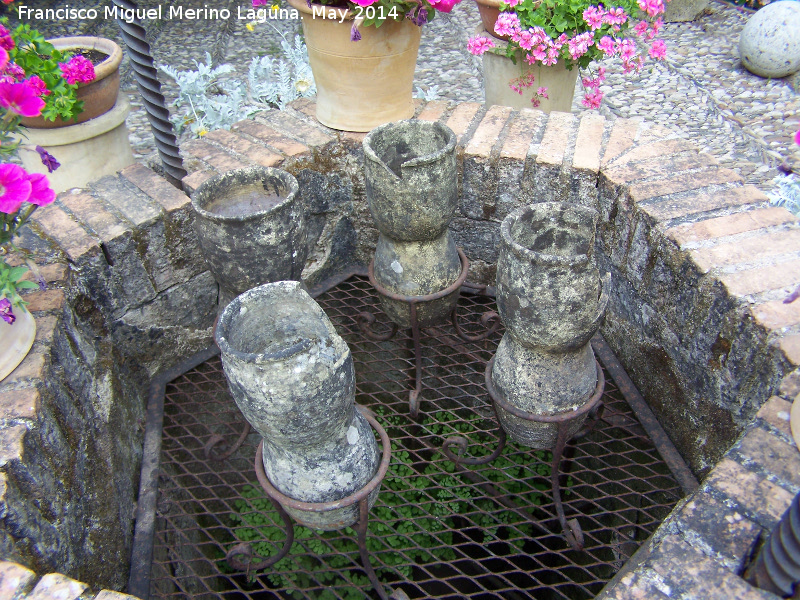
[[699, 263]]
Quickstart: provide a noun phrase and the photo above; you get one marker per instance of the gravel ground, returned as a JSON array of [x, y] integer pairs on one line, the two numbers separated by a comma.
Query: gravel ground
[[701, 91]]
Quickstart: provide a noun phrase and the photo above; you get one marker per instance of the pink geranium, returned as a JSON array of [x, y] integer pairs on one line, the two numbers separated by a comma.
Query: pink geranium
[[444, 6], [6, 41], [506, 24], [658, 50], [15, 187], [479, 45], [37, 84], [78, 70], [593, 99], [797, 137], [594, 17], [606, 44], [3, 59], [41, 193], [21, 98]]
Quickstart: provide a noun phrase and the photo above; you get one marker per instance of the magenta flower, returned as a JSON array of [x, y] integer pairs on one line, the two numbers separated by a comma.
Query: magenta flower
[[21, 98], [606, 44], [797, 137], [479, 45], [652, 7], [658, 50], [77, 70], [14, 71], [14, 187], [593, 99], [542, 93], [594, 17], [6, 41], [5, 311], [641, 28], [3, 59], [48, 160], [506, 24], [40, 86], [41, 194], [257, 3], [444, 6]]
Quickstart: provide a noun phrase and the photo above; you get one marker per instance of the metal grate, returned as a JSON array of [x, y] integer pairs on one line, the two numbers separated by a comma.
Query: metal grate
[[436, 531]]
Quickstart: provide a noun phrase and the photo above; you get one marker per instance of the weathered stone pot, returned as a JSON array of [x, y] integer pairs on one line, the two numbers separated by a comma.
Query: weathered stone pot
[[549, 299], [412, 191], [292, 377], [549, 292], [251, 228], [16, 340]]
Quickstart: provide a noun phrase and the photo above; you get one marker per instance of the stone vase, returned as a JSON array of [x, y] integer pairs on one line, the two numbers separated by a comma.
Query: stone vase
[[292, 377], [250, 225], [16, 340], [412, 191], [551, 300]]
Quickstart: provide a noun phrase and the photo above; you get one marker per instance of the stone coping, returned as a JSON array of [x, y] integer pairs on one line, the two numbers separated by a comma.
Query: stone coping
[[120, 236]]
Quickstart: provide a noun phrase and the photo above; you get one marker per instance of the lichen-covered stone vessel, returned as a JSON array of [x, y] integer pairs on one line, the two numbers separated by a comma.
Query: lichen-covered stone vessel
[[292, 377], [412, 191], [250, 224], [551, 301]]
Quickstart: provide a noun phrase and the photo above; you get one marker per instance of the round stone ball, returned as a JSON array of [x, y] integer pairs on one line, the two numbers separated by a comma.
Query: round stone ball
[[770, 41]]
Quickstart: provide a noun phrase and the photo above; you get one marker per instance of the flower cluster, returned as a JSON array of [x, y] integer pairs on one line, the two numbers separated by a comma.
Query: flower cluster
[[577, 33]]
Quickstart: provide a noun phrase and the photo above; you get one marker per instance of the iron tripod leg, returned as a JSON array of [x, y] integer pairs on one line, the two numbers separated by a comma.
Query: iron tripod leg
[[216, 439]]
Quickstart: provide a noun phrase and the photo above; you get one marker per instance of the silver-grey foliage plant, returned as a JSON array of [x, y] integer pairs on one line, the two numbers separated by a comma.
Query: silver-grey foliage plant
[[207, 101], [786, 193]]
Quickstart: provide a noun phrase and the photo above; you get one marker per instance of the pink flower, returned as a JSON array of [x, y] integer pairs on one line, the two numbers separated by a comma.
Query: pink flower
[[593, 99], [652, 7], [579, 45], [542, 92], [15, 188], [615, 17], [658, 50], [3, 59], [606, 44], [5, 311], [479, 45], [512, 3], [657, 25], [257, 3], [524, 39], [21, 98], [15, 71], [594, 17], [626, 48], [552, 57], [37, 84], [41, 194], [77, 70], [641, 28], [6, 41], [444, 6], [797, 137], [506, 24]]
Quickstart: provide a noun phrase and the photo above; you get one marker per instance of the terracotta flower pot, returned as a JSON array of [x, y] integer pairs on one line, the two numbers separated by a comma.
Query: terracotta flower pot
[[292, 377], [363, 84], [489, 10], [98, 96], [16, 340]]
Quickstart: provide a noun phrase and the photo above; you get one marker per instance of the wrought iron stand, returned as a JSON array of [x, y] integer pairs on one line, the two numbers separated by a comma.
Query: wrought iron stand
[[240, 557], [593, 407], [365, 321]]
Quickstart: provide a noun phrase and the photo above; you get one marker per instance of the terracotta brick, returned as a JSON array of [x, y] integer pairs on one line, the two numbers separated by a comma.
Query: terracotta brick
[[790, 344], [155, 186], [776, 314], [52, 299], [239, 145], [556, 138], [762, 500], [687, 569], [772, 454], [683, 182], [634, 587], [488, 132], [15, 581], [310, 134], [355, 138], [432, 111], [55, 585], [666, 167], [70, 236], [306, 106], [221, 161], [522, 130], [731, 224], [776, 412], [52, 273], [270, 137], [622, 137], [589, 143], [32, 367], [758, 247], [710, 526], [461, 118], [12, 441], [45, 327], [762, 279], [93, 213], [196, 179], [134, 205], [659, 149], [20, 404], [696, 202]]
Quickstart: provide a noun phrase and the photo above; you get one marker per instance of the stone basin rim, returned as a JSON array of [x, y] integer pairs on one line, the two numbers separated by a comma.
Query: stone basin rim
[[417, 161]]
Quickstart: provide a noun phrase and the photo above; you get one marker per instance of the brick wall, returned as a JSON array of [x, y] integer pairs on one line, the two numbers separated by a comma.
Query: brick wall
[[699, 263]]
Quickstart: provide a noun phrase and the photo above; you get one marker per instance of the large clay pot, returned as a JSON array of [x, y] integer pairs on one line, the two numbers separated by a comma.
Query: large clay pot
[[489, 10], [292, 377], [550, 301], [499, 71], [412, 191], [16, 340], [99, 95], [363, 84], [250, 224]]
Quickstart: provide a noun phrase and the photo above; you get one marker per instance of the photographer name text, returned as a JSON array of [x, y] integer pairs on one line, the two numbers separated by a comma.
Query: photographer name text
[[159, 13]]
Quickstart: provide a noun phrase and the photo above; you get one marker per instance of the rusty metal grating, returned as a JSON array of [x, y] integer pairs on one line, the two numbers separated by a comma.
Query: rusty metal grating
[[480, 533]]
